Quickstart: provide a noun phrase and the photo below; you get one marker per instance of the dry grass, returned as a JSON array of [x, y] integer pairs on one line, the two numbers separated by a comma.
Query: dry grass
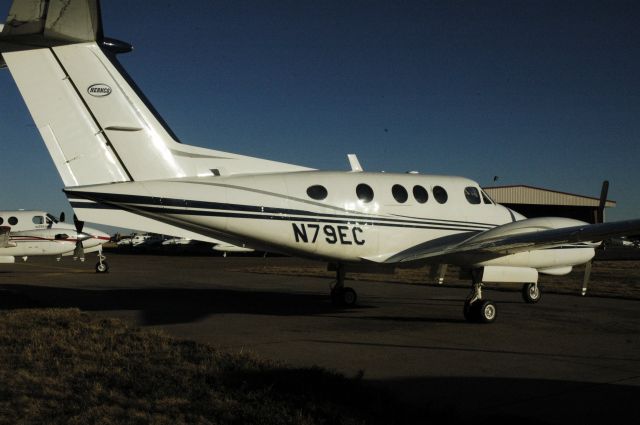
[[65, 367], [619, 279]]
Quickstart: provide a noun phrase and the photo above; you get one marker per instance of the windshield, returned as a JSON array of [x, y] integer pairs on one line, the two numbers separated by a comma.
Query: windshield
[[486, 198]]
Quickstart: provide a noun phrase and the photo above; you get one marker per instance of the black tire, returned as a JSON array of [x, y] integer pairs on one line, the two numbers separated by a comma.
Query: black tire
[[485, 311], [531, 293], [349, 297], [102, 267], [343, 297]]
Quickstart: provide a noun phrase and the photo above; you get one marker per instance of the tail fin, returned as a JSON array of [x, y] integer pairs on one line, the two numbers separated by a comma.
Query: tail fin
[[96, 125]]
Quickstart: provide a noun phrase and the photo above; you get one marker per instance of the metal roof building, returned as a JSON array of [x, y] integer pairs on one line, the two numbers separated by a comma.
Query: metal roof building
[[537, 202]]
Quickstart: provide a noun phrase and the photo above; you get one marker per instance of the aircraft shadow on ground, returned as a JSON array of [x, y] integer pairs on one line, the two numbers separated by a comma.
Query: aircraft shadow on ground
[[487, 400], [160, 306]]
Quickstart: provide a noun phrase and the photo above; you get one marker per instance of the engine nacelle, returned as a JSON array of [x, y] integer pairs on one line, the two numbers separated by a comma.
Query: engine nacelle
[[7, 260], [557, 271], [503, 274], [231, 248]]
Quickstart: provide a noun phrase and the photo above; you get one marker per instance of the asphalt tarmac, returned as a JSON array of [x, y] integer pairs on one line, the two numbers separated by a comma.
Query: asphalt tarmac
[[567, 359]]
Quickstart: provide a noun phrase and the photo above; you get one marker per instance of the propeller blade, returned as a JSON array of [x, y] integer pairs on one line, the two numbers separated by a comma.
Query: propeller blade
[[587, 276], [603, 201], [78, 252], [79, 224]]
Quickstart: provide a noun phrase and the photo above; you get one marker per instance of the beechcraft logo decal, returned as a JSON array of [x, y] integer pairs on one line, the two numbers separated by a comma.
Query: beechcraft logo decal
[[99, 90]]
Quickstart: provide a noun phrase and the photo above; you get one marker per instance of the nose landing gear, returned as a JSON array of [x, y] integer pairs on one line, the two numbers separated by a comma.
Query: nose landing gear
[[102, 266]]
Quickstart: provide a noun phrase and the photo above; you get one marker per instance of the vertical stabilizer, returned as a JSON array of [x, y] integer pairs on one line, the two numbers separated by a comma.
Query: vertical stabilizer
[[77, 144], [96, 124]]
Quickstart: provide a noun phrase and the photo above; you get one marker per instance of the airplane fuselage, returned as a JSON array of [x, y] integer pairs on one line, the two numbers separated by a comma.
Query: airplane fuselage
[[343, 217]]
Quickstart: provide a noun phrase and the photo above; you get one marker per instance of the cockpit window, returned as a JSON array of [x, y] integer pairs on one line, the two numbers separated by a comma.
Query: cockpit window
[[486, 198], [440, 194], [472, 194], [37, 219], [399, 193], [364, 192], [317, 192]]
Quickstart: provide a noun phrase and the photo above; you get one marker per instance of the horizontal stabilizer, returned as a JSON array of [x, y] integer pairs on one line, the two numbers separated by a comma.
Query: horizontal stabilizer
[[61, 20]]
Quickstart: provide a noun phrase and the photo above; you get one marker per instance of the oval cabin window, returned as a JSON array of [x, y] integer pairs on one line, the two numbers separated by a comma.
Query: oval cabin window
[[420, 194], [317, 192], [364, 192], [440, 194], [399, 193]]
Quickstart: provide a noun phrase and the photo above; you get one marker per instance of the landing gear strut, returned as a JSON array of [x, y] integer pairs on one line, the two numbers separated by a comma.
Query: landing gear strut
[[341, 295], [101, 266], [476, 309]]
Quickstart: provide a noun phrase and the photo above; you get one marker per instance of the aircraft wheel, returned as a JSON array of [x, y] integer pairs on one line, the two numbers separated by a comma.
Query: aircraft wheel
[[102, 267], [485, 311], [349, 297], [343, 296], [531, 293]]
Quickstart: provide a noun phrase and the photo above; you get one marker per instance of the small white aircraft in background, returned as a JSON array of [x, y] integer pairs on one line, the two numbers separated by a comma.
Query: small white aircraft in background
[[35, 233], [122, 166], [153, 239]]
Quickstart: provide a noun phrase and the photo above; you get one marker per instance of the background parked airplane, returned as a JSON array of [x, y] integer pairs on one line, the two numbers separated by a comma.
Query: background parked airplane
[[36, 233], [120, 163]]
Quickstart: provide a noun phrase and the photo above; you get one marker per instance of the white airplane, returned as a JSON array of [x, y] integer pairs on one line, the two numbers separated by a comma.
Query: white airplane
[[121, 164], [35, 233]]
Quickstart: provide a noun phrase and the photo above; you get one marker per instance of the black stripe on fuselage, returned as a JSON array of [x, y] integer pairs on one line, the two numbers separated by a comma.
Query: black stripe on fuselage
[[179, 206]]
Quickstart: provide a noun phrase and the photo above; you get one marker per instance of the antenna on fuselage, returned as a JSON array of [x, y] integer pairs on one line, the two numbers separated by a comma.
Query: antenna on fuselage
[[354, 163]]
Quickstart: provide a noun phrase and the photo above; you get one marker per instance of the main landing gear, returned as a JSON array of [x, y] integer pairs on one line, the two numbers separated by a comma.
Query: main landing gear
[[341, 295], [476, 309], [531, 293], [101, 266]]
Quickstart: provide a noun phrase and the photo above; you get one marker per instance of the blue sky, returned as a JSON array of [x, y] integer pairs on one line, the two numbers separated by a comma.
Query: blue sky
[[543, 93]]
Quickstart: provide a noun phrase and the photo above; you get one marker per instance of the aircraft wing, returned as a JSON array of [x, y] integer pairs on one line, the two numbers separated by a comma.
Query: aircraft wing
[[4, 236], [520, 236]]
